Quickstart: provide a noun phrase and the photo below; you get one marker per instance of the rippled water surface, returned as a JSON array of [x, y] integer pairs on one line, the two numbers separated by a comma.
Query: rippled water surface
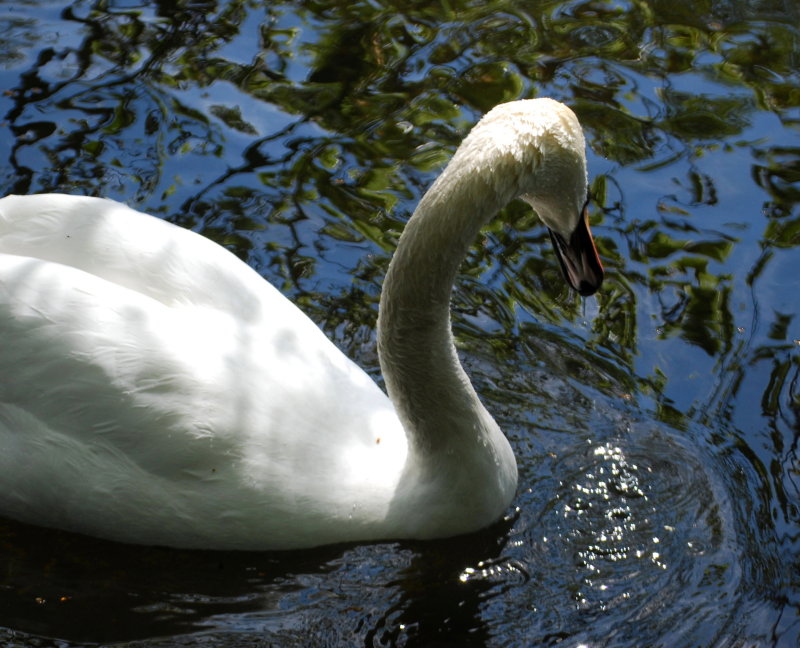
[[655, 425]]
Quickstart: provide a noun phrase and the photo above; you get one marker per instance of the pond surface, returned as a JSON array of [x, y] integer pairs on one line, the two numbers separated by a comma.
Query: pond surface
[[655, 424]]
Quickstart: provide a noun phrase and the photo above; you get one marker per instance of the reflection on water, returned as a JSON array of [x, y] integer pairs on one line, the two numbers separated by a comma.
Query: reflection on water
[[656, 426]]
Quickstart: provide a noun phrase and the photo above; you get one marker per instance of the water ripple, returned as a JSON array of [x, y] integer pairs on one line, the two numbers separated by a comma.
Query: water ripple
[[637, 526]]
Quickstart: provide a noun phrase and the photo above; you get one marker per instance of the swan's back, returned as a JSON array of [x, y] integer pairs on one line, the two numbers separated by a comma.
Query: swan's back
[[150, 256], [155, 372]]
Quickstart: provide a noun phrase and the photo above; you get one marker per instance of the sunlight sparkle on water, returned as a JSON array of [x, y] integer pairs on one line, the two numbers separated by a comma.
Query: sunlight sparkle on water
[[504, 571], [609, 521]]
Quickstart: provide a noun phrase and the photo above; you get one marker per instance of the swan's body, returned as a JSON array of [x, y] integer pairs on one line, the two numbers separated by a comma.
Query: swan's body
[[156, 390]]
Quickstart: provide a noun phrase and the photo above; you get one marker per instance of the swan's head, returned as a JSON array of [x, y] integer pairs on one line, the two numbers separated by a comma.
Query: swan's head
[[534, 149]]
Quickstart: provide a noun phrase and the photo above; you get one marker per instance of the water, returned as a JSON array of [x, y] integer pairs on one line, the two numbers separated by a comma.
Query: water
[[655, 426]]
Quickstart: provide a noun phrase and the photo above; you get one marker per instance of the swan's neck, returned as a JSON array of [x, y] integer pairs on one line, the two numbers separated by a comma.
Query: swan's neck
[[432, 394], [460, 469]]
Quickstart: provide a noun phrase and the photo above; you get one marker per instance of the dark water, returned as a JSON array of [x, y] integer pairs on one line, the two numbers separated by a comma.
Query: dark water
[[656, 425]]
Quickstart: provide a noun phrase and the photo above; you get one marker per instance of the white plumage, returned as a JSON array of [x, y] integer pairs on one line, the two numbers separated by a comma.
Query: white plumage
[[156, 390]]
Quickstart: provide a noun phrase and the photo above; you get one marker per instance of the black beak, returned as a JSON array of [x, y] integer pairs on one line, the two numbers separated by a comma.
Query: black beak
[[578, 257]]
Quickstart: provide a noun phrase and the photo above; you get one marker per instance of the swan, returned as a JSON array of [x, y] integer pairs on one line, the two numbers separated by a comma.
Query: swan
[[156, 390]]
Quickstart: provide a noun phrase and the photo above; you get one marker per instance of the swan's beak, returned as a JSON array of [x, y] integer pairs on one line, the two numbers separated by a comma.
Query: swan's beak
[[578, 257]]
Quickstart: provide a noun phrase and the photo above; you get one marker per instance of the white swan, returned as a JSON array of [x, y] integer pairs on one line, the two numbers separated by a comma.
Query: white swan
[[156, 390]]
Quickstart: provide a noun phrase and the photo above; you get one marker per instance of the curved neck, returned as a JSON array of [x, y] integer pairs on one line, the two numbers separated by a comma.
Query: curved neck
[[424, 378]]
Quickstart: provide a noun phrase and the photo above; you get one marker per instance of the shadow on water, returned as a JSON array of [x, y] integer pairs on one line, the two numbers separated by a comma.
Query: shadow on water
[[656, 427], [88, 591]]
